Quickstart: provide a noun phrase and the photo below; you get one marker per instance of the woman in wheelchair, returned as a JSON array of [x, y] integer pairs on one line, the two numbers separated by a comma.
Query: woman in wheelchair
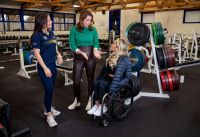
[[114, 75]]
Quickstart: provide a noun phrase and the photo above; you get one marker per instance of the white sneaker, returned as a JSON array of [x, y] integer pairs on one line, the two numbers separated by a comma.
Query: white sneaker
[[89, 104], [98, 110], [74, 105], [53, 111], [51, 121], [92, 110], [127, 101]]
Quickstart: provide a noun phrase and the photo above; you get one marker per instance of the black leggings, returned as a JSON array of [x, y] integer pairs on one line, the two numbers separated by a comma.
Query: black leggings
[[79, 63]]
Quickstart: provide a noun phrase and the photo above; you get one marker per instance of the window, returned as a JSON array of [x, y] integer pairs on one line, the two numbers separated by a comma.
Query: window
[[0, 16], [191, 16], [63, 21], [1, 22], [69, 20], [15, 19], [29, 19], [59, 22], [148, 18], [1, 26], [11, 19]]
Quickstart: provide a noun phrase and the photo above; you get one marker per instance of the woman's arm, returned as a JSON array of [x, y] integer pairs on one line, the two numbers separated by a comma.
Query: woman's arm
[[59, 56], [122, 75], [72, 42], [128, 73], [41, 62], [96, 39], [97, 53]]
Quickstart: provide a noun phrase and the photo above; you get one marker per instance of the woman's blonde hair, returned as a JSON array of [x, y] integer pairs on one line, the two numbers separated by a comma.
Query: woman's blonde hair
[[114, 56]]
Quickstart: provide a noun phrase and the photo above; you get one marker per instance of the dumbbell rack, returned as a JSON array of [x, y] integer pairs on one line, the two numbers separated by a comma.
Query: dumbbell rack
[[150, 94]]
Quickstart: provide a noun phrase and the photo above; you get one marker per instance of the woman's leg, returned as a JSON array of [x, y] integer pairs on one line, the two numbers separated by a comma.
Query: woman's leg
[[48, 87], [90, 66], [48, 84], [77, 74], [103, 88]]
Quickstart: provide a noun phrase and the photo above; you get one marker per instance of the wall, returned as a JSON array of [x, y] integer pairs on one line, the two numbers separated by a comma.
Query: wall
[[172, 20]]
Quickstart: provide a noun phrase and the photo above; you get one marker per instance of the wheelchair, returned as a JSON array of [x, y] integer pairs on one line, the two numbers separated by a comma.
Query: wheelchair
[[120, 103]]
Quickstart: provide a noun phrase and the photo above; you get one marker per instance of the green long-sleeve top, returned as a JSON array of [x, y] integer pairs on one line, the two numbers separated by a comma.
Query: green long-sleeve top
[[83, 38]]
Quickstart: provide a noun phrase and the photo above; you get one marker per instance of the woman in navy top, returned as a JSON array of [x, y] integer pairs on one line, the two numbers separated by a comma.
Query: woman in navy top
[[44, 46], [116, 73]]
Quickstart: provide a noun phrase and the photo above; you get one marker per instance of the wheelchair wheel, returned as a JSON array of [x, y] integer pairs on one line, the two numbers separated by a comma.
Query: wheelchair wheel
[[119, 108]]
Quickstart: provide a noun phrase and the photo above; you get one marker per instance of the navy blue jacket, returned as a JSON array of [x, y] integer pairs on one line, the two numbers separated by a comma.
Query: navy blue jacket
[[123, 74]]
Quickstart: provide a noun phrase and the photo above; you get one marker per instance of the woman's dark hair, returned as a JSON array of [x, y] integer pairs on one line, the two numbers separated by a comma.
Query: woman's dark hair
[[40, 22], [83, 15]]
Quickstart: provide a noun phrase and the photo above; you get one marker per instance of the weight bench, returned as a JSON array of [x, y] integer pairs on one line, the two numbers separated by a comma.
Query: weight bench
[[65, 68]]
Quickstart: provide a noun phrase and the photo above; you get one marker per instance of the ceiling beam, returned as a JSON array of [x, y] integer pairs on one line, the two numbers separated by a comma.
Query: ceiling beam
[[172, 9], [171, 5], [115, 3]]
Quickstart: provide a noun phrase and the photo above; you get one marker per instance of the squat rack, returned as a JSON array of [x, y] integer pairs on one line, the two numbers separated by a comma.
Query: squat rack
[[150, 94]]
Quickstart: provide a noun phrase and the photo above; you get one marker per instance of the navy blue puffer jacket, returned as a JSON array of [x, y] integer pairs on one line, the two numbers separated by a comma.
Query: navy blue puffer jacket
[[123, 74]]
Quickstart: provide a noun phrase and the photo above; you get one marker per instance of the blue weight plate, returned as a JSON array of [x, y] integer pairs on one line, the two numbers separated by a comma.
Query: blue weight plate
[[137, 59]]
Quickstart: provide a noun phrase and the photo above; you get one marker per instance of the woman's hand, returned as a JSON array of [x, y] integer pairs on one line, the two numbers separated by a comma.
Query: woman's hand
[[97, 54], [60, 59], [111, 75], [82, 53], [47, 72]]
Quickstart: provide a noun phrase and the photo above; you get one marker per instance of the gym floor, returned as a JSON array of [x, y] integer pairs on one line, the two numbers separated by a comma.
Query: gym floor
[[178, 116]]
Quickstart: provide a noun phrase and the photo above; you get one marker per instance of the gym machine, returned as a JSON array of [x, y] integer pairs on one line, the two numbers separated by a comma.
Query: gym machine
[[5, 125]]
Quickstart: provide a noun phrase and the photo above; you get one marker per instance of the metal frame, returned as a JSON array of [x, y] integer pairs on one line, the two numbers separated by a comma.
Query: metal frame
[[149, 94], [23, 68]]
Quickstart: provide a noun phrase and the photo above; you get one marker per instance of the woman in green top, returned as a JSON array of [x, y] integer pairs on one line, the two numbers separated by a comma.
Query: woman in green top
[[83, 40]]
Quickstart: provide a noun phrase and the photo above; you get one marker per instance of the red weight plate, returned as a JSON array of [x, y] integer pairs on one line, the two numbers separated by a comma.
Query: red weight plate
[[166, 81], [177, 81], [163, 82], [170, 80], [173, 79], [171, 54]]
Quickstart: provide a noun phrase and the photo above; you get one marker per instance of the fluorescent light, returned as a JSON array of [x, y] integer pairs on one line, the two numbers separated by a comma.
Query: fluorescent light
[[26, 17], [76, 6]]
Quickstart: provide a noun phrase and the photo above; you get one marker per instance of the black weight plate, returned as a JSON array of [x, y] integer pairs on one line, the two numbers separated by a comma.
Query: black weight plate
[[138, 33], [160, 58], [165, 58]]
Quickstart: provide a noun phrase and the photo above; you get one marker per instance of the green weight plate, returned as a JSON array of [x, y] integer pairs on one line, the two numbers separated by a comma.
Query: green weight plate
[[161, 37], [158, 33], [155, 35]]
